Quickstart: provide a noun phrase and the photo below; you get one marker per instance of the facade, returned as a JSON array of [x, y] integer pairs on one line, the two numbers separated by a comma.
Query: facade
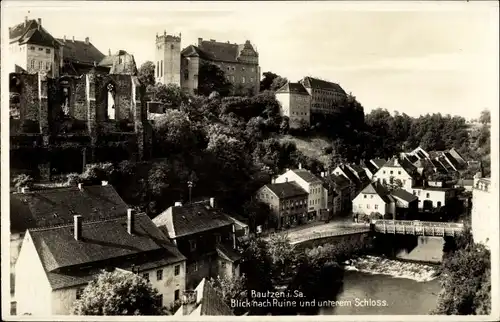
[[205, 236], [239, 62], [396, 170], [482, 212], [374, 198], [33, 49], [313, 185], [325, 96], [406, 204], [295, 103], [342, 188], [98, 117], [56, 263], [288, 203], [433, 197], [344, 171]]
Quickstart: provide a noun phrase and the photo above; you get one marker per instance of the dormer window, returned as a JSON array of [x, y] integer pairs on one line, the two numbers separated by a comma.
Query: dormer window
[[192, 244]]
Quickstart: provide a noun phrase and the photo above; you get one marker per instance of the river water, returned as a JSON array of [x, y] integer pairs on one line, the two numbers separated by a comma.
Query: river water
[[375, 285]]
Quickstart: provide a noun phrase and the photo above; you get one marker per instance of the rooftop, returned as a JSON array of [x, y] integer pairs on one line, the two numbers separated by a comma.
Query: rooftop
[[404, 195], [306, 175], [58, 206], [311, 82], [31, 31], [295, 88], [286, 189], [191, 219]]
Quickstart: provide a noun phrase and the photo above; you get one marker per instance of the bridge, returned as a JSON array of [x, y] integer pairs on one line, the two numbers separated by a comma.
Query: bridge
[[421, 228]]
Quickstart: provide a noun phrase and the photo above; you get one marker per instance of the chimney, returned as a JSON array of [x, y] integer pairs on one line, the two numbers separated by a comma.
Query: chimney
[[77, 230], [104, 183], [234, 236], [164, 32], [130, 221], [86, 40], [286, 179], [200, 40], [73, 38], [109, 52], [39, 21], [178, 204], [64, 38], [212, 202], [300, 165], [80, 186], [25, 21]]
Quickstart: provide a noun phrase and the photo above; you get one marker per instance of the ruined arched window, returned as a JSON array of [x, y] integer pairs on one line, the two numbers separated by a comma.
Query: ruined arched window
[[15, 97], [111, 111], [65, 100], [172, 46]]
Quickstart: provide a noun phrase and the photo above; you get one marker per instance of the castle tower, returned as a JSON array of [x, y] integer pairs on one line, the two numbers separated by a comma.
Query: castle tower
[[168, 59]]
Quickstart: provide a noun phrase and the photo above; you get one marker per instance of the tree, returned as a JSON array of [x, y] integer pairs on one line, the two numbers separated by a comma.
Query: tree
[[278, 82], [211, 78], [23, 180], [230, 289], [119, 293], [146, 74], [282, 255], [173, 133], [171, 95], [485, 117], [267, 81]]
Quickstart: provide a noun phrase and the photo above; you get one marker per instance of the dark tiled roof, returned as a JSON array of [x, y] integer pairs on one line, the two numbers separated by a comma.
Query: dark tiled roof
[[227, 253], [101, 240], [457, 156], [358, 169], [405, 164], [193, 51], [378, 162], [350, 175], [81, 52], [403, 194], [58, 206], [411, 158], [306, 175], [191, 219], [220, 51], [31, 32], [286, 189], [315, 83], [338, 183], [295, 88], [211, 301], [453, 161], [378, 189]]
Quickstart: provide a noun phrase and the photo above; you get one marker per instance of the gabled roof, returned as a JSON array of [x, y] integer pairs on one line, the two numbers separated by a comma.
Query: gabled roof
[[378, 189], [379, 163], [369, 166], [350, 175], [310, 82], [220, 51], [286, 189], [191, 219], [293, 88], [306, 175], [33, 33], [193, 51], [58, 206], [411, 158], [102, 241], [81, 52], [337, 183], [457, 156], [404, 195], [453, 161]]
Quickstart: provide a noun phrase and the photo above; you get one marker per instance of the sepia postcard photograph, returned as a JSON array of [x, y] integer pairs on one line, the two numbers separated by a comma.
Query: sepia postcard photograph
[[260, 161]]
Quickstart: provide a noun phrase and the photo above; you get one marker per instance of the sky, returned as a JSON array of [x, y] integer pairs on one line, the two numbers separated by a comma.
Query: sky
[[415, 58]]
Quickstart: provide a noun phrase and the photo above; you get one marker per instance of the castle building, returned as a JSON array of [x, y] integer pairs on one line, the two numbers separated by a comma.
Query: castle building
[[239, 62], [34, 50], [325, 96], [295, 103]]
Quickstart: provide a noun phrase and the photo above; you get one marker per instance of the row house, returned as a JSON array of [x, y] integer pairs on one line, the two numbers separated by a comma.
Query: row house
[[357, 180], [339, 191], [31, 209], [483, 215], [205, 236], [434, 195], [56, 263], [316, 201], [395, 204], [397, 172], [288, 203]]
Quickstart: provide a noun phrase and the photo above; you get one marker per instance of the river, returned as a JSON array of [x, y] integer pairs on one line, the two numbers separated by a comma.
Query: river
[[375, 285]]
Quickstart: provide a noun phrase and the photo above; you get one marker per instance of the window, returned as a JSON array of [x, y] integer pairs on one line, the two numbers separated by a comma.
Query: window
[[146, 276], [427, 195], [40, 49], [32, 64], [177, 270], [371, 196], [223, 264], [399, 172], [195, 266], [161, 67], [391, 172], [376, 206], [192, 244], [159, 275], [364, 196], [47, 65], [383, 172], [40, 65], [368, 206], [176, 295], [414, 193], [79, 293], [243, 79], [32, 47], [157, 69], [172, 46], [251, 79], [186, 74], [47, 51]]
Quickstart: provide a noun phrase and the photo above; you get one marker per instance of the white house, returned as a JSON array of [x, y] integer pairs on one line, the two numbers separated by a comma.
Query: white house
[[394, 170], [431, 197], [374, 198], [311, 184], [56, 263], [483, 221]]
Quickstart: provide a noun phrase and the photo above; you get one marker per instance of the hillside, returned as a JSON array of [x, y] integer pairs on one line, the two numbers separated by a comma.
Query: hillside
[[312, 147]]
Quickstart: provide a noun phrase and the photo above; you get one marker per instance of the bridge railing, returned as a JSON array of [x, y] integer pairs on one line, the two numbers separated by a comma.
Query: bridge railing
[[321, 235], [418, 223]]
